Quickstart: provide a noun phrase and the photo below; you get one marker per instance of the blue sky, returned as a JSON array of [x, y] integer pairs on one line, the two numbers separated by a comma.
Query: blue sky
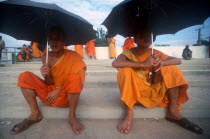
[[95, 11]]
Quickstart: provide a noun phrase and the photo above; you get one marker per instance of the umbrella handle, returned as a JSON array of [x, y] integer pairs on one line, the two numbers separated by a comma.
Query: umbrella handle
[[47, 53]]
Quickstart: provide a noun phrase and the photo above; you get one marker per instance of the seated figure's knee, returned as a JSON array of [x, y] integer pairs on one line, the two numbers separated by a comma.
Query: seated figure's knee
[[25, 74]]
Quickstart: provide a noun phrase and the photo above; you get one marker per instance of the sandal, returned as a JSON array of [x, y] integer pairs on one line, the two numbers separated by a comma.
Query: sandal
[[187, 125], [25, 124]]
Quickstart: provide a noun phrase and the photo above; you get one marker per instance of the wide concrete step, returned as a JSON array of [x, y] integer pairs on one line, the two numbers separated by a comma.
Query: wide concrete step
[[109, 81], [17, 67], [100, 103]]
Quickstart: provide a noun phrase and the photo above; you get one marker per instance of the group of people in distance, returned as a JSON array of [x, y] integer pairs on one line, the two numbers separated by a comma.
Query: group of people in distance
[[64, 75]]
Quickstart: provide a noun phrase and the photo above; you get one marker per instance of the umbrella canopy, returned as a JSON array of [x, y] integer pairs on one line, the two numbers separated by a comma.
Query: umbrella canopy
[[160, 16], [28, 20]]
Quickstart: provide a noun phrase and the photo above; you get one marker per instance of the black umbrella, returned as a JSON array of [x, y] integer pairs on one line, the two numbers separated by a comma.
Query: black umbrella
[[28, 20], [161, 16]]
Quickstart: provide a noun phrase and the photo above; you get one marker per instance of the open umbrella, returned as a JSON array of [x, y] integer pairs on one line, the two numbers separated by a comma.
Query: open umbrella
[[161, 16], [28, 20]]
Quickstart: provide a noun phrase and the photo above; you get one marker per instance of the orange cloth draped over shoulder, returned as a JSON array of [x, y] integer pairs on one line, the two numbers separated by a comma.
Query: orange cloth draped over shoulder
[[68, 73], [90, 48], [112, 51], [79, 49], [128, 44], [135, 84], [36, 52]]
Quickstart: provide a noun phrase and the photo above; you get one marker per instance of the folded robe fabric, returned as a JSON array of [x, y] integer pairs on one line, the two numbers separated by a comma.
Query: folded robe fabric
[[135, 84], [68, 73]]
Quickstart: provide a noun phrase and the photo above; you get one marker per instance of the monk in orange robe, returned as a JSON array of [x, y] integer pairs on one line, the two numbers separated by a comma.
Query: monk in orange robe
[[79, 49], [134, 79], [90, 49], [63, 75], [112, 51], [24, 54], [35, 50], [128, 44]]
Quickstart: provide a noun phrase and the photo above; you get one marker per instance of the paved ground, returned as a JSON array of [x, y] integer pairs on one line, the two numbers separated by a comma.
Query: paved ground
[[105, 129]]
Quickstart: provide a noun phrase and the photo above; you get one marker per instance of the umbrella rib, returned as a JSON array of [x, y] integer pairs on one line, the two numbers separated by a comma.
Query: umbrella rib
[[33, 20]]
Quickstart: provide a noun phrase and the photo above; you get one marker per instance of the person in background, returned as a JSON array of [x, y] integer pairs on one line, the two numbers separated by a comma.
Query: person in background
[[2, 46], [187, 53], [112, 49]]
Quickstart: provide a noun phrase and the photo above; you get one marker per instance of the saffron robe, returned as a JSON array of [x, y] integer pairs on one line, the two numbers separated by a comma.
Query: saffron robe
[[90, 48], [128, 44], [68, 73], [79, 49], [135, 84], [36, 52], [112, 51]]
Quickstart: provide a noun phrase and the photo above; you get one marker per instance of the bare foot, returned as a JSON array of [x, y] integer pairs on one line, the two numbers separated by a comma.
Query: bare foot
[[174, 115], [35, 117], [126, 125], [76, 126]]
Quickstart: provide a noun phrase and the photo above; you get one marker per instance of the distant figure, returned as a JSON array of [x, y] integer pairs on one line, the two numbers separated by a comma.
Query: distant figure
[[112, 51], [79, 49], [128, 44], [36, 52], [187, 53], [24, 54], [2, 45], [65, 47], [90, 49]]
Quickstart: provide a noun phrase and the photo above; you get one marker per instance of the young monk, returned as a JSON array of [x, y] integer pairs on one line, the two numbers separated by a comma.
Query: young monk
[[169, 89], [63, 75], [90, 49], [112, 51]]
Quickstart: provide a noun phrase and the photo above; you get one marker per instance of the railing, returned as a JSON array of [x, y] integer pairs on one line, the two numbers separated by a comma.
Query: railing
[[9, 55]]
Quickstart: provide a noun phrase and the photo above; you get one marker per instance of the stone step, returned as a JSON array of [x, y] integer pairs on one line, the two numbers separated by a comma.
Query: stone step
[[97, 103], [104, 72], [34, 67]]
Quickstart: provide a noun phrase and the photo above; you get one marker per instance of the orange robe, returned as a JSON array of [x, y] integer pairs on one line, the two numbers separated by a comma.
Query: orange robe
[[79, 49], [36, 52], [112, 52], [135, 84], [90, 48], [19, 56], [128, 44], [65, 47], [68, 73]]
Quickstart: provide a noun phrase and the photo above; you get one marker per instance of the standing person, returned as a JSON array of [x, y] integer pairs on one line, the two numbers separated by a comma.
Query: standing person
[[187, 53], [79, 49], [2, 46], [134, 80], [35, 50], [63, 74], [128, 44], [90, 49], [112, 49]]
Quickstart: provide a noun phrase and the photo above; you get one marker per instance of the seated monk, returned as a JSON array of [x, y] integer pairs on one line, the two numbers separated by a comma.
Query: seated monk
[[63, 75], [169, 89], [24, 54]]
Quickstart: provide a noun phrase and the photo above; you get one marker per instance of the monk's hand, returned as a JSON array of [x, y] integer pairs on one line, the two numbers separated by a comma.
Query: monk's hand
[[45, 70], [157, 63], [148, 63], [52, 96]]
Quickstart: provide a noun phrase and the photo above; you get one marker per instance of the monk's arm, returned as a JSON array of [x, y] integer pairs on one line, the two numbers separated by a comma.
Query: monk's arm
[[171, 61], [122, 61], [47, 77]]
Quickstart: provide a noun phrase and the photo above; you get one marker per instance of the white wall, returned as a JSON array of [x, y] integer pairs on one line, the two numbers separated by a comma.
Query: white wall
[[175, 51]]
